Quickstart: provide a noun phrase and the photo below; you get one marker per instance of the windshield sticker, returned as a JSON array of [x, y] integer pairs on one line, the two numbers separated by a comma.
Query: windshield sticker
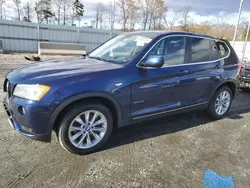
[[141, 41]]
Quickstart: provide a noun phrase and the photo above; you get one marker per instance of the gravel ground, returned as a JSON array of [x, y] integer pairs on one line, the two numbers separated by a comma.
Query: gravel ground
[[168, 152]]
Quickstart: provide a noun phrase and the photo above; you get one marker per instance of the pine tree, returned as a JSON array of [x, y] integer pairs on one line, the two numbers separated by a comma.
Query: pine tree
[[79, 9]]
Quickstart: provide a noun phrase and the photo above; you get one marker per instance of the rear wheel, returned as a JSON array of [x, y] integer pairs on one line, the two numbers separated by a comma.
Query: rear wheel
[[85, 128], [220, 103]]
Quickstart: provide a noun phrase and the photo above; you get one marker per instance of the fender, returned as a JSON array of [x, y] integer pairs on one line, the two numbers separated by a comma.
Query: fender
[[83, 96], [225, 82]]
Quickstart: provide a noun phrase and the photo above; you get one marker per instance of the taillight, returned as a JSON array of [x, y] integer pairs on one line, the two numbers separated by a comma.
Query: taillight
[[241, 67]]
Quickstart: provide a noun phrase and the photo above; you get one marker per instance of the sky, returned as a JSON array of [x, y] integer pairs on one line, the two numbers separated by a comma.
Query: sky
[[201, 10]]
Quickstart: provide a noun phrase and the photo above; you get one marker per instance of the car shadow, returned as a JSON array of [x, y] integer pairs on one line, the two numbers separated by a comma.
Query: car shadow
[[167, 125]]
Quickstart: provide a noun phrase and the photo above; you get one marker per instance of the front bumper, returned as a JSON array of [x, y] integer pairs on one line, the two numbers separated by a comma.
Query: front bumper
[[32, 124]]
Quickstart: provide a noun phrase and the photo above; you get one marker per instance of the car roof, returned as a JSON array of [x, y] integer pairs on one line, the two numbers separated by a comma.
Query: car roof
[[165, 33]]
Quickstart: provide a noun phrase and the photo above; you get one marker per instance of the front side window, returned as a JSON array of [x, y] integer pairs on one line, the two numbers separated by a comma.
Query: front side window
[[121, 49], [172, 49], [200, 50]]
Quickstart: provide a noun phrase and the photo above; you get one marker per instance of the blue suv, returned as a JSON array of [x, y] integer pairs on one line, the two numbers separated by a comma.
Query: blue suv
[[131, 78]]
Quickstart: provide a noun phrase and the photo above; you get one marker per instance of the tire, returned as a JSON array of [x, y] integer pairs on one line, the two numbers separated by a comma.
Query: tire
[[214, 102], [71, 126]]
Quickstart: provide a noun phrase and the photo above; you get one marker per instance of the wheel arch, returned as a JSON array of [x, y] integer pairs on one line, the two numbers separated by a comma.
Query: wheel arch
[[229, 83], [96, 97]]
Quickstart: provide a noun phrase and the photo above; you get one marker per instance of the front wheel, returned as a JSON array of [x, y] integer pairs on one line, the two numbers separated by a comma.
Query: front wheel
[[220, 103], [85, 128]]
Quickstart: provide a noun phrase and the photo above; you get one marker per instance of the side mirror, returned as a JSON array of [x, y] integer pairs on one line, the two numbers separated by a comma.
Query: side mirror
[[154, 61]]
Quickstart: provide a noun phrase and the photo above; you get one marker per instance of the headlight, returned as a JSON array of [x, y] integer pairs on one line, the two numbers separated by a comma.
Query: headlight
[[31, 92]]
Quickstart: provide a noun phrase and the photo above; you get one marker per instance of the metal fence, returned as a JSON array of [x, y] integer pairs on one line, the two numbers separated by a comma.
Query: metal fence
[[24, 36]]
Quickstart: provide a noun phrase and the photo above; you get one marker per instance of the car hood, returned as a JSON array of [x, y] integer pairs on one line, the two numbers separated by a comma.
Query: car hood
[[58, 69]]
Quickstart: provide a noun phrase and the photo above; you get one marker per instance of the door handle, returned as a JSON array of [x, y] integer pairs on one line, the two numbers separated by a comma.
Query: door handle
[[183, 71], [219, 66]]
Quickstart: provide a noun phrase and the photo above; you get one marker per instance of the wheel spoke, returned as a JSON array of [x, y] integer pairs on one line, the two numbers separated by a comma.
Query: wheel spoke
[[75, 129], [76, 135], [99, 129], [86, 117], [88, 140], [220, 109], [98, 122], [79, 120], [217, 109], [93, 118], [97, 137], [81, 140]]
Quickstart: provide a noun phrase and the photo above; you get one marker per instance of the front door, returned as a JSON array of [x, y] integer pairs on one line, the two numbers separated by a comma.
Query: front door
[[155, 91]]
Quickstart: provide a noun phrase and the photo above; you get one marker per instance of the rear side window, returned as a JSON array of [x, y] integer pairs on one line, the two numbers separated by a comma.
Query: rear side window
[[223, 50], [200, 50], [215, 51]]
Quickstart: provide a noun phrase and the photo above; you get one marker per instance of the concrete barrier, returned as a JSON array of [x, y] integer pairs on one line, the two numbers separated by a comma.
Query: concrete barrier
[[61, 48], [1, 46]]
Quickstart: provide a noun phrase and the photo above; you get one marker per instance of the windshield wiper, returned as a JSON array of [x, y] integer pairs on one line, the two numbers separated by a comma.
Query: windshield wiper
[[103, 59]]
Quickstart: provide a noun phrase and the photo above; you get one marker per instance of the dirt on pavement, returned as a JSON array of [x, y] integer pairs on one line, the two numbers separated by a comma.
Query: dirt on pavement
[[169, 152]]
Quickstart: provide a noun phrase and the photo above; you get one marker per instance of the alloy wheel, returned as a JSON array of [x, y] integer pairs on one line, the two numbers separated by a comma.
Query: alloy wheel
[[222, 102], [87, 129]]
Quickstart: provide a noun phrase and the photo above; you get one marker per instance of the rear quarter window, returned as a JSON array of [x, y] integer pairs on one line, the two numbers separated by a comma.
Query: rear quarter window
[[223, 49], [227, 52]]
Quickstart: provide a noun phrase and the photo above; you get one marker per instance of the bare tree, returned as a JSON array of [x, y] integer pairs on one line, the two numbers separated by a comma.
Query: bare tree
[[132, 14], [221, 25], [17, 4], [128, 12], [124, 13], [145, 11], [58, 10], [110, 9], [170, 22], [2, 2], [158, 12], [65, 7], [184, 18], [27, 12], [155, 12], [99, 12]]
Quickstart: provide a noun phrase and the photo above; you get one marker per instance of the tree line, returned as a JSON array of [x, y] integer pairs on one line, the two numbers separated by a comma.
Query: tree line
[[61, 12], [129, 14]]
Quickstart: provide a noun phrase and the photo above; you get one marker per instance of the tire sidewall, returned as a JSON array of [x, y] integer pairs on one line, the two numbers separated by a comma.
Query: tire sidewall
[[74, 112]]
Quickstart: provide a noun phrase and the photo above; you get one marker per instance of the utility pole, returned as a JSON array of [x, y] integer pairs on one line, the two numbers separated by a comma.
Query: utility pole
[[245, 43], [238, 21]]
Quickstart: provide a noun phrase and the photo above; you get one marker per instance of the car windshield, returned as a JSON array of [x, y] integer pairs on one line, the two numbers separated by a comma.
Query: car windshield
[[121, 49]]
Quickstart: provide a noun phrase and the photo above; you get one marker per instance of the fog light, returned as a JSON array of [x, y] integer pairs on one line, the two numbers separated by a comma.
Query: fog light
[[21, 110]]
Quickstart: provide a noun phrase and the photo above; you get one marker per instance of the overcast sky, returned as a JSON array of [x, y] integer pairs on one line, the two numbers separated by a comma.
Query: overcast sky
[[202, 10]]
